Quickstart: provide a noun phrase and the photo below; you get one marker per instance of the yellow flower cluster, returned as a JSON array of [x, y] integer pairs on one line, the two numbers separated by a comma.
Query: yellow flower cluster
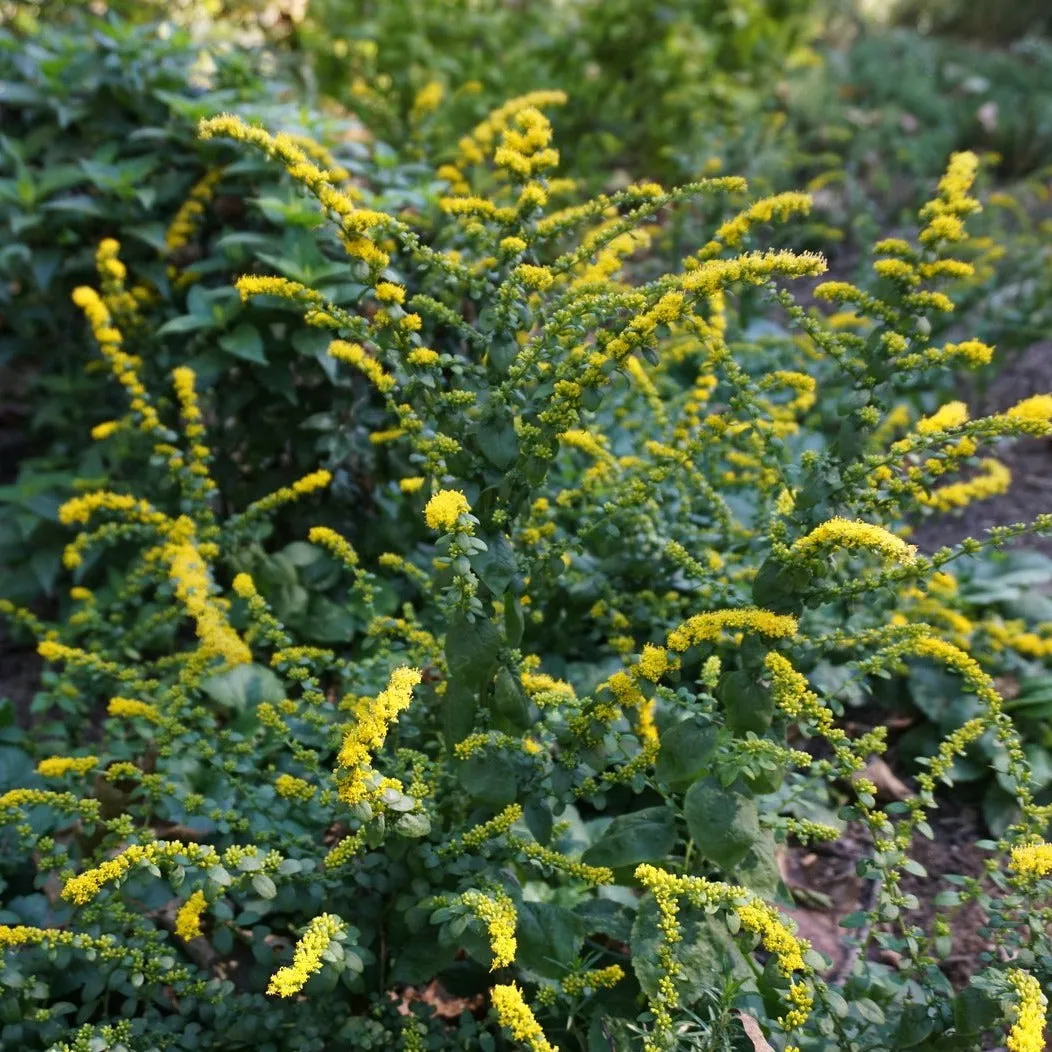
[[184, 225], [443, 510], [595, 979], [354, 354], [184, 381], [192, 583], [249, 285], [993, 480], [516, 1016], [370, 731], [777, 207], [474, 148], [125, 367], [292, 788], [497, 912], [307, 958], [945, 215], [525, 146], [130, 708], [1032, 860], [653, 662], [188, 919], [334, 543], [843, 533], [83, 888], [1028, 1030], [709, 626], [953, 414], [57, 766]]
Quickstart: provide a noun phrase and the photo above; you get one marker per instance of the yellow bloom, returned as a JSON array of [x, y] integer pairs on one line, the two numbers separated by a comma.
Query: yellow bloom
[[103, 431], [993, 480], [355, 355], [953, 414], [339, 546], [131, 708], [188, 919], [411, 485], [497, 912], [444, 509], [653, 662], [842, 533], [1038, 407], [1032, 860], [709, 626], [307, 958], [1028, 1030], [292, 788], [387, 292], [57, 766], [515, 1015]]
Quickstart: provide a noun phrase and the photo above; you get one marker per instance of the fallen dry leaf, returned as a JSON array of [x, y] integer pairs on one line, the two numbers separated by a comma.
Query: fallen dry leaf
[[754, 1033], [888, 784]]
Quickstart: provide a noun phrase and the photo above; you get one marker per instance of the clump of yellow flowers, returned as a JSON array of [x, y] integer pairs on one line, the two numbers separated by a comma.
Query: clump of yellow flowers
[[539, 708]]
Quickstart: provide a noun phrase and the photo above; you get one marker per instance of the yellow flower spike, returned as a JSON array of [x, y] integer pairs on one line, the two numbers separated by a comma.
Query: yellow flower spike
[[369, 733], [1028, 1030], [307, 958], [131, 708], [710, 626], [334, 543], [188, 919], [290, 787], [443, 510], [497, 911], [1038, 407], [516, 1016], [354, 354], [993, 480], [843, 533], [953, 414], [57, 766]]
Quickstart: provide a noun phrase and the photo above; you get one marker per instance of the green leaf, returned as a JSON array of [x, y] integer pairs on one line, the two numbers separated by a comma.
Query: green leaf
[[511, 706], [243, 687], [186, 323], [641, 836], [497, 565], [459, 707], [549, 938], [758, 871], [706, 953], [490, 777], [724, 823], [514, 622], [749, 705], [244, 342], [471, 650], [264, 887], [975, 1010], [414, 824], [685, 751]]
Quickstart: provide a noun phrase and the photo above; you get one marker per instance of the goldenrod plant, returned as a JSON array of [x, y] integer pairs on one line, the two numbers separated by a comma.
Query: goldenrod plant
[[582, 701]]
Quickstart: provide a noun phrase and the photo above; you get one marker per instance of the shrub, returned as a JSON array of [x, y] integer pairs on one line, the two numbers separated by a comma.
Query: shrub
[[99, 142], [579, 703]]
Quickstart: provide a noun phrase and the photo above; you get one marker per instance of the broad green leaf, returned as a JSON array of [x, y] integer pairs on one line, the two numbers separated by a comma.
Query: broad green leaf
[[724, 823], [641, 836]]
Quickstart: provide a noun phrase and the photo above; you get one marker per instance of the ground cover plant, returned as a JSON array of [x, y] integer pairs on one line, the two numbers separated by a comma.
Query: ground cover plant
[[630, 557]]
